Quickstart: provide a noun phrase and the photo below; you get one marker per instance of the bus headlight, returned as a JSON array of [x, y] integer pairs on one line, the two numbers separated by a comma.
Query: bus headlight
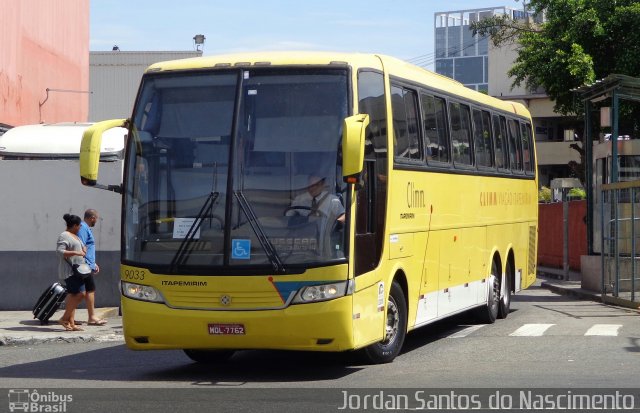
[[323, 292], [141, 292]]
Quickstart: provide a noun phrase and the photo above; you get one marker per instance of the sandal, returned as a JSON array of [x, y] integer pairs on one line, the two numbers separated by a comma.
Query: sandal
[[76, 328], [99, 322], [67, 325]]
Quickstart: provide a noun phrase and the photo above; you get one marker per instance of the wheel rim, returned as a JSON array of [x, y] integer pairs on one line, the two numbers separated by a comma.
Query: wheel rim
[[393, 321], [496, 292]]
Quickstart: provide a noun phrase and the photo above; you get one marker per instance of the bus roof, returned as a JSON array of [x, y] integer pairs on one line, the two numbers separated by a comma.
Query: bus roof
[[395, 66], [57, 140]]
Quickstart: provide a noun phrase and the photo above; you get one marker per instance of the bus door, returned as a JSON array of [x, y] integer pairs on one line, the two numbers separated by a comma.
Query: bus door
[[371, 201]]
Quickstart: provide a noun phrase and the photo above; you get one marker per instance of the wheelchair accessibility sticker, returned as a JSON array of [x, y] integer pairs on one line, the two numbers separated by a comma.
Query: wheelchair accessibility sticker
[[241, 249]]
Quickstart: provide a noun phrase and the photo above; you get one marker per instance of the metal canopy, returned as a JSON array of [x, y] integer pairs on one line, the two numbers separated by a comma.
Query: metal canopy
[[625, 85]]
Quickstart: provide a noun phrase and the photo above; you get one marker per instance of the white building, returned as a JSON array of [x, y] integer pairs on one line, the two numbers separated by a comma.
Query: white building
[[114, 79]]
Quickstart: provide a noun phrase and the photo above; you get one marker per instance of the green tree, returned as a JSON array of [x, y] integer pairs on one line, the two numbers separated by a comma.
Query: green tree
[[579, 42]]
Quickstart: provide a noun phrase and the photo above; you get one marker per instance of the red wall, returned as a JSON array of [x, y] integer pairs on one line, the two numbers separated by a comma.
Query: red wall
[[43, 44], [551, 234]]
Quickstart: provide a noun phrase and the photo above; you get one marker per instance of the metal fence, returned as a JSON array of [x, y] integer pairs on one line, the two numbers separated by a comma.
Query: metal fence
[[620, 237]]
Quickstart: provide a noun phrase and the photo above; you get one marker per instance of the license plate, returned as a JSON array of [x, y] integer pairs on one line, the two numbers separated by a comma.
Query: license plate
[[226, 329]]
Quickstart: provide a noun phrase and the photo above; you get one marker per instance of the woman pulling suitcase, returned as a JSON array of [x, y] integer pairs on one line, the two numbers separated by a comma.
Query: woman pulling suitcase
[[71, 254]]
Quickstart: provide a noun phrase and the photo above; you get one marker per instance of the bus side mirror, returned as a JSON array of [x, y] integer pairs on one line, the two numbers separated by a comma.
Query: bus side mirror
[[353, 137], [90, 152]]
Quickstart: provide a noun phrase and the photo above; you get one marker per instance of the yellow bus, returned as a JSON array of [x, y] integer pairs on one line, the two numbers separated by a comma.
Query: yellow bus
[[316, 201]]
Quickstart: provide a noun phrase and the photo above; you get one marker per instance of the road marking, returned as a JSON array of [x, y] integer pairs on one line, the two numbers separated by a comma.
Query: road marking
[[466, 331], [531, 330], [603, 330]]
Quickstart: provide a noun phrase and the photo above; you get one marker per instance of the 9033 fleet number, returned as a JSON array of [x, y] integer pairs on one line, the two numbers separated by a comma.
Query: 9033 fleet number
[[137, 275]]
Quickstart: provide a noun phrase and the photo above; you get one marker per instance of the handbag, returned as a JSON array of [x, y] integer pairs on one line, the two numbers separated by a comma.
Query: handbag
[[81, 270]]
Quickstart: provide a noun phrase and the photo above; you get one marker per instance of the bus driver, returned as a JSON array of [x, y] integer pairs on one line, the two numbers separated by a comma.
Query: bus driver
[[317, 201]]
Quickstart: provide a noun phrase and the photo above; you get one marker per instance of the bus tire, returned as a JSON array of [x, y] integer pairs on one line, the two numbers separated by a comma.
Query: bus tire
[[209, 356], [488, 313], [395, 329], [505, 299]]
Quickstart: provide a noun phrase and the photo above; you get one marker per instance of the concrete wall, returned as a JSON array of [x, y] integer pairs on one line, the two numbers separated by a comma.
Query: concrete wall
[[43, 44], [35, 196], [557, 153], [500, 61]]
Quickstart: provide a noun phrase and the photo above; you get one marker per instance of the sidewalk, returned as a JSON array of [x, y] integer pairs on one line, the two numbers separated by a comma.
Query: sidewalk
[[20, 328], [572, 288], [553, 279]]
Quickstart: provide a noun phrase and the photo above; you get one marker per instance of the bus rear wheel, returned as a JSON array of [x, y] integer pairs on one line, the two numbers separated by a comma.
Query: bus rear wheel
[[209, 356], [395, 329], [505, 298]]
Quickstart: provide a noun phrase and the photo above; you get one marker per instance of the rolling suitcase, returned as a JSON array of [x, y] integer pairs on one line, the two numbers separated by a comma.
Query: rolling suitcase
[[49, 302]]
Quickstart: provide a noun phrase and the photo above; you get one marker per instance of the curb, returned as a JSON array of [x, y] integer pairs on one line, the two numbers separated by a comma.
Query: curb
[[574, 292], [49, 339]]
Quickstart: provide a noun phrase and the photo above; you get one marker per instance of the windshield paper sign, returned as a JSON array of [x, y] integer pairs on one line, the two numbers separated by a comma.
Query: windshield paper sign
[[182, 226]]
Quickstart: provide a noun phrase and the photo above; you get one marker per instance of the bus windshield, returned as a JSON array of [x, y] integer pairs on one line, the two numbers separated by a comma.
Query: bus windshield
[[236, 169]]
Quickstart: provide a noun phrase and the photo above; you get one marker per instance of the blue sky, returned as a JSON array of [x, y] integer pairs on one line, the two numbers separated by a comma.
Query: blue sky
[[401, 28]]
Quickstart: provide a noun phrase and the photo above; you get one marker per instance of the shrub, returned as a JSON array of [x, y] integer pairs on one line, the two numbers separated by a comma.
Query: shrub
[[577, 193], [544, 194]]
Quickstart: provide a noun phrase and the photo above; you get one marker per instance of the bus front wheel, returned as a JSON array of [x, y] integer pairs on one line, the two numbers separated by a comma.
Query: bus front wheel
[[209, 356], [395, 329]]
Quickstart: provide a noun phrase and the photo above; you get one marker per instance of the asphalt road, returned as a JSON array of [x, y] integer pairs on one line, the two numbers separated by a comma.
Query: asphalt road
[[548, 341]]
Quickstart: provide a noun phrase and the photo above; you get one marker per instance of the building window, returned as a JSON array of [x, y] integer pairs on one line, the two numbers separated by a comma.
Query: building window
[[483, 45], [441, 42], [469, 70], [469, 42], [445, 67], [455, 46]]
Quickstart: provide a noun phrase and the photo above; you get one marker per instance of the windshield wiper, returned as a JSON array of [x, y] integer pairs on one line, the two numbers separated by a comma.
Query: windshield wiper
[[183, 251], [266, 244]]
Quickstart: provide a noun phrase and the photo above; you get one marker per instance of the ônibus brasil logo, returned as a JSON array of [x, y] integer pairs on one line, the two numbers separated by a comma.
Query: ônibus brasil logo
[[24, 400]]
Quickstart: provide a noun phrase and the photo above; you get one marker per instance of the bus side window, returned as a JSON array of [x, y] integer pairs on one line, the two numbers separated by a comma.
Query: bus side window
[[460, 133], [527, 145], [434, 122], [405, 123], [482, 138], [515, 146], [500, 134]]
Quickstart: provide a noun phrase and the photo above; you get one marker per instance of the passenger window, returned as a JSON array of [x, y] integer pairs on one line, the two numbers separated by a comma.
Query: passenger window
[[515, 146], [405, 124], [500, 134], [527, 145], [482, 138], [435, 119], [460, 133]]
